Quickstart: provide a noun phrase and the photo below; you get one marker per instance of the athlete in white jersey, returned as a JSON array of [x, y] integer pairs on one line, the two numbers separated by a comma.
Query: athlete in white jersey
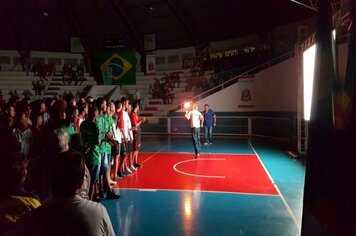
[[196, 121]]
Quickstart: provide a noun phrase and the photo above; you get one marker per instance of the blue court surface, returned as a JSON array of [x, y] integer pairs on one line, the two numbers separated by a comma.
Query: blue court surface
[[195, 212]]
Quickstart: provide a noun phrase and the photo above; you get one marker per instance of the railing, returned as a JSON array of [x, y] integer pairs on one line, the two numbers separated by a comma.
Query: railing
[[13, 67], [232, 81], [249, 126]]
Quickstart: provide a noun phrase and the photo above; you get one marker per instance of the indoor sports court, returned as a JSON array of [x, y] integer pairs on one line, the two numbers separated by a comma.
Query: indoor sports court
[[236, 187], [86, 85]]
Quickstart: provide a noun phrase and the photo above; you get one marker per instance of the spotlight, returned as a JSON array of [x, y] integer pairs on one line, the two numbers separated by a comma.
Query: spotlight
[[308, 79], [186, 105]]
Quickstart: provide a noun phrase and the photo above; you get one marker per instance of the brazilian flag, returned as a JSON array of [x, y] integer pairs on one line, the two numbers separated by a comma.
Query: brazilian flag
[[117, 67]]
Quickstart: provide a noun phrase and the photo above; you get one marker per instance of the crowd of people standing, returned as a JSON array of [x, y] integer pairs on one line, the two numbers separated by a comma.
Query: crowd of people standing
[[106, 134]]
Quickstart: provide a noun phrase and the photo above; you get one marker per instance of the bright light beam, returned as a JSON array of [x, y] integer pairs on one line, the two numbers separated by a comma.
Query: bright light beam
[[305, 5], [308, 79], [186, 105], [334, 34]]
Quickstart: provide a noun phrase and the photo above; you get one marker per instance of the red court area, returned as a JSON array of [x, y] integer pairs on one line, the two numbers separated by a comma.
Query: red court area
[[210, 172]]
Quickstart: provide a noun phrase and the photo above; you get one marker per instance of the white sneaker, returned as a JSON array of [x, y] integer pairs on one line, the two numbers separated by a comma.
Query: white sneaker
[[205, 143], [132, 168]]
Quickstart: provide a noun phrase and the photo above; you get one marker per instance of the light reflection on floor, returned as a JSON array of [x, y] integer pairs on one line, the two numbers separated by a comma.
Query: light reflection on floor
[[208, 213]]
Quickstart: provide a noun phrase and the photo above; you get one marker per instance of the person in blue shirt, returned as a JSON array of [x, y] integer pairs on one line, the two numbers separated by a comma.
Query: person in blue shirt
[[209, 123]]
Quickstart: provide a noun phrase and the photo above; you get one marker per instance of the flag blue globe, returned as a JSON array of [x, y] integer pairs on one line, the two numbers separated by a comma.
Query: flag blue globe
[[117, 66]]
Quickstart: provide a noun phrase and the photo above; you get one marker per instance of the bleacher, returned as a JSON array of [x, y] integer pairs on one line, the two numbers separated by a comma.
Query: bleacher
[[19, 81], [54, 87], [11, 81], [156, 107]]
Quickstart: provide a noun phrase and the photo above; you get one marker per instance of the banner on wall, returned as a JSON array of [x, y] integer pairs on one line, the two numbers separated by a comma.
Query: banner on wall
[[246, 93], [117, 67], [149, 42], [150, 64]]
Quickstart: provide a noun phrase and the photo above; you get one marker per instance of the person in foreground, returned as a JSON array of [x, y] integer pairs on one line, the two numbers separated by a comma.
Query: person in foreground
[[15, 201], [67, 213], [196, 121]]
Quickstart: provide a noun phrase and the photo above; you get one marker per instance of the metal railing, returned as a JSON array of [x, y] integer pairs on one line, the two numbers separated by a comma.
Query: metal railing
[[231, 81], [249, 126]]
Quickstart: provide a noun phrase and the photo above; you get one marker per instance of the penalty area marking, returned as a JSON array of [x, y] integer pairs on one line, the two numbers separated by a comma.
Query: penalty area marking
[[196, 175]]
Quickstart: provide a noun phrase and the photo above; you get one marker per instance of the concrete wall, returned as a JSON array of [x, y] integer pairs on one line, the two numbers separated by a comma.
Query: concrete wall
[[105, 90], [275, 88], [62, 56]]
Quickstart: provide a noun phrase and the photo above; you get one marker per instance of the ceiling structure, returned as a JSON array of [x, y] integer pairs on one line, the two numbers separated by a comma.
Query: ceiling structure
[[49, 24]]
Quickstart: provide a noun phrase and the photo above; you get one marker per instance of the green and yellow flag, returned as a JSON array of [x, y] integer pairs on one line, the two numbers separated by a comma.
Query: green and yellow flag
[[117, 67]]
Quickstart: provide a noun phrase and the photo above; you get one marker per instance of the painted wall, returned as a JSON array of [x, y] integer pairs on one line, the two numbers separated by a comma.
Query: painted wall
[[169, 52], [13, 55], [166, 53], [112, 92], [275, 89], [237, 42], [222, 101], [213, 46]]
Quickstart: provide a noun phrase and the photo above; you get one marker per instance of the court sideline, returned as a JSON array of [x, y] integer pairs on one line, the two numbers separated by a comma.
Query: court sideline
[[236, 187]]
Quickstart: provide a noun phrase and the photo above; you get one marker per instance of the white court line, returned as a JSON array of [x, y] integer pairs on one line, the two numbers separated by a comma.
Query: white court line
[[209, 153], [154, 154], [279, 192], [196, 190], [200, 159], [230, 154]]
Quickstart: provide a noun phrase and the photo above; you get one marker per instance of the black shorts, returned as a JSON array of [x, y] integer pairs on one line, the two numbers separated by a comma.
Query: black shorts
[[136, 140], [115, 149], [123, 149], [129, 146]]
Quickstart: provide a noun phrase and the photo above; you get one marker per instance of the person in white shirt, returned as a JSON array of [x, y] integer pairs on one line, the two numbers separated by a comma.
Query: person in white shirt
[[83, 113], [196, 121], [23, 130], [130, 138], [118, 136], [125, 127]]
